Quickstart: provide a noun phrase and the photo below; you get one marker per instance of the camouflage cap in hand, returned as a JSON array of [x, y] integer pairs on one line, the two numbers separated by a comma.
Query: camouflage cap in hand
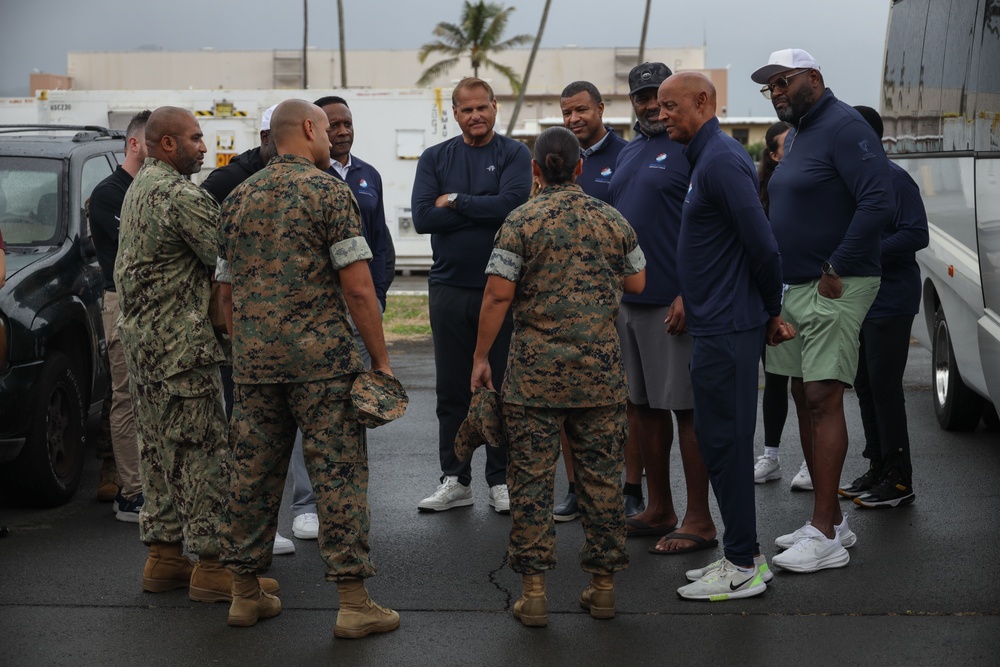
[[484, 423], [378, 397]]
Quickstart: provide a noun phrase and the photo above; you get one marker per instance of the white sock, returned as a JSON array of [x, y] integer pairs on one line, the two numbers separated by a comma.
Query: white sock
[[771, 453], [744, 570]]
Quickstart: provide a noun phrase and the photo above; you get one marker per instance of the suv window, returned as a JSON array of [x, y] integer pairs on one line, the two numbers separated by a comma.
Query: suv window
[[95, 170], [29, 200]]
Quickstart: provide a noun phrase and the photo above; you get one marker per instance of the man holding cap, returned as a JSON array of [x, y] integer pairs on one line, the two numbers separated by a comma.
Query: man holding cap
[[648, 188], [831, 197]]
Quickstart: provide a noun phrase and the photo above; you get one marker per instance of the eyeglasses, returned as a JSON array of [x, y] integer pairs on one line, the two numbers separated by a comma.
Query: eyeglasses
[[780, 82]]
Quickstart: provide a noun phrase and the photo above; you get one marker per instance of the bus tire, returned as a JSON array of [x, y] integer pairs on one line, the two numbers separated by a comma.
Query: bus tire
[[957, 407]]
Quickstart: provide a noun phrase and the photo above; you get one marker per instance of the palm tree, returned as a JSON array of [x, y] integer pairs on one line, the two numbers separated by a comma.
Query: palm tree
[[477, 35]]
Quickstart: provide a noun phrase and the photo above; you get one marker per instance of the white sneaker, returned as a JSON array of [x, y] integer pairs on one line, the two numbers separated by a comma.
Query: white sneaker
[[282, 545], [725, 583], [848, 538], [813, 551], [500, 498], [802, 480], [450, 494], [306, 526], [760, 561], [766, 469]]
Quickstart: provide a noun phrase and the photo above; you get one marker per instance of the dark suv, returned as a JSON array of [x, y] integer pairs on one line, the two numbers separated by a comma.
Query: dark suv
[[53, 378]]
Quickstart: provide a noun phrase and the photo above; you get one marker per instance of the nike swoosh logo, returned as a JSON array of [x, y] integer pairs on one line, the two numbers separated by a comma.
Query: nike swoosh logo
[[733, 585]]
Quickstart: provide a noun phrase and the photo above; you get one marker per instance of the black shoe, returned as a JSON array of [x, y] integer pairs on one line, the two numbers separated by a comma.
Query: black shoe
[[887, 493], [128, 510], [863, 484], [567, 510], [633, 505]]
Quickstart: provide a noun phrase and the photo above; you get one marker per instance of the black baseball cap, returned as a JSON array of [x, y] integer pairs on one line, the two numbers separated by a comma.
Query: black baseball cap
[[647, 75]]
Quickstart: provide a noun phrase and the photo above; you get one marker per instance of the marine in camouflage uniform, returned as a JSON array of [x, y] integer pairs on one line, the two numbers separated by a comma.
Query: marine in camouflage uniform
[[286, 233], [569, 255], [167, 242]]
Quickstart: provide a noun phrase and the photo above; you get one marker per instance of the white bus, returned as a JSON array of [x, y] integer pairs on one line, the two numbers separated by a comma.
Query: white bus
[[941, 108]]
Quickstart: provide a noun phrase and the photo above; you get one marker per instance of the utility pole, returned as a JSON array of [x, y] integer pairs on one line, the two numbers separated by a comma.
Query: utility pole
[[642, 40], [305, 42], [343, 51], [527, 73]]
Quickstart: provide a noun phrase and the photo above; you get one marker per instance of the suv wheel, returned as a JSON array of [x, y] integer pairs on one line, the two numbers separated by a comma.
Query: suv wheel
[[49, 467], [957, 407]]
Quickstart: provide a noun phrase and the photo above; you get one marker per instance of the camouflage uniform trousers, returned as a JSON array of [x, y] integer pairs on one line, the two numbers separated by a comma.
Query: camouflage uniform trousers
[[184, 459], [265, 417], [598, 437]]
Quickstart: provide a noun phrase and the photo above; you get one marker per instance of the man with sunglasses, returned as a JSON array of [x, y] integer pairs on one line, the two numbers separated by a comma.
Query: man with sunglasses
[[831, 196]]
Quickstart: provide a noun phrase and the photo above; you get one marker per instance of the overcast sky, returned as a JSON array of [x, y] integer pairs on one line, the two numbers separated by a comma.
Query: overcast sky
[[845, 36]]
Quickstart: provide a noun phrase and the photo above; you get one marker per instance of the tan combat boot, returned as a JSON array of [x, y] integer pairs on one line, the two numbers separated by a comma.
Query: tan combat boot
[[211, 582], [250, 602], [530, 609], [107, 481], [359, 616], [599, 596], [167, 568]]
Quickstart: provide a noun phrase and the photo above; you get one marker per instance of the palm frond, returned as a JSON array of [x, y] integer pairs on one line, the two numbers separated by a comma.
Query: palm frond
[[508, 73], [436, 70], [438, 47], [497, 24]]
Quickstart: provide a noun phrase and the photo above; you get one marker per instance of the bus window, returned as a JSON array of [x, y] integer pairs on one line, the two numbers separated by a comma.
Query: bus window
[[901, 82], [957, 75], [988, 86]]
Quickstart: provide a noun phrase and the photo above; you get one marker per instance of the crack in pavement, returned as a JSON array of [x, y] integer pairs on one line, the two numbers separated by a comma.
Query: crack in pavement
[[500, 587]]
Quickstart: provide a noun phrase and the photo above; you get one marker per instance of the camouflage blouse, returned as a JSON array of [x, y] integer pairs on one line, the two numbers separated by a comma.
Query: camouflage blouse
[[167, 242], [569, 255], [286, 232]]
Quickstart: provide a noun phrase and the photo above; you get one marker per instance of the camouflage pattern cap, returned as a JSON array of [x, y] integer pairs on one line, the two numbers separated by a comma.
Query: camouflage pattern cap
[[378, 397], [484, 423]]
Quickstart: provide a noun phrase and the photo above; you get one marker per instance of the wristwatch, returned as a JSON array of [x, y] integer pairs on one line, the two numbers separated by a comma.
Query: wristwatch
[[451, 199], [828, 270]]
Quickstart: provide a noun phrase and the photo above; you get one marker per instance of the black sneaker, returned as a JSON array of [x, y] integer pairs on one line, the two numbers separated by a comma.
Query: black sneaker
[[887, 493], [863, 484], [633, 505], [128, 510]]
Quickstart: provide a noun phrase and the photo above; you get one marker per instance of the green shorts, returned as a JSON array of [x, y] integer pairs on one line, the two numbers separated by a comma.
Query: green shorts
[[826, 347]]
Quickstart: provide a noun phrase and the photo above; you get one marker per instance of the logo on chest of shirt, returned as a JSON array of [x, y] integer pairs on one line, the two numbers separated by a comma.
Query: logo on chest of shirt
[[606, 172], [491, 168], [658, 163], [363, 183]]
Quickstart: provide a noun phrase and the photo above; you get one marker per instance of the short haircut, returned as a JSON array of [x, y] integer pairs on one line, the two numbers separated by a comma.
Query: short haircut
[[137, 125], [470, 82], [557, 152], [578, 87], [331, 99], [872, 118]]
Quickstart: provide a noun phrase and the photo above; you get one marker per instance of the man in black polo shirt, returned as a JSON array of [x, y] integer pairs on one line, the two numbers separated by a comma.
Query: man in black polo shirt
[[104, 214]]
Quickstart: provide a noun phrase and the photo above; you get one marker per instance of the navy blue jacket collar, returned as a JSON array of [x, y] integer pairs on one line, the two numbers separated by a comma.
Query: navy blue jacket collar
[[700, 139], [825, 100]]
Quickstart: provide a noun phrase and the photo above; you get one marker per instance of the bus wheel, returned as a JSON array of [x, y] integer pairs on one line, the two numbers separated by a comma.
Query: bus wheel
[[957, 407]]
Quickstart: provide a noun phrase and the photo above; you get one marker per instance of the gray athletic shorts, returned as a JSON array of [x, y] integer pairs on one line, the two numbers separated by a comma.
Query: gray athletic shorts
[[658, 365]]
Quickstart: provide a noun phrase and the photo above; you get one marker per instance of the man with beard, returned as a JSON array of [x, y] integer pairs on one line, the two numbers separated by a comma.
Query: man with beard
[[831, 197], [648, 188], [167, 250]]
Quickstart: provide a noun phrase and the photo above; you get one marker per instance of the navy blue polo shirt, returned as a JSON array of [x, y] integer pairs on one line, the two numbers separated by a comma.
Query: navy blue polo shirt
[[899, 293], [648, 188], [727, 258], [599, 166], [366, 184], [831, 194]]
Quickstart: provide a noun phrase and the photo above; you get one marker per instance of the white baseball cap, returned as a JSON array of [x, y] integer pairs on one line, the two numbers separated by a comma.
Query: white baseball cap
[[782, 61], [265, 118]]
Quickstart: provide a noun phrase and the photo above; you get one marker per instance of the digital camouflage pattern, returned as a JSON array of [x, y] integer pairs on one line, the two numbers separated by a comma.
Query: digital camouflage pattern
[[286, 232], [183, 459], [333, 443], [569, 255], [598, 437], [378, 398], [167, 244], [483, 424]]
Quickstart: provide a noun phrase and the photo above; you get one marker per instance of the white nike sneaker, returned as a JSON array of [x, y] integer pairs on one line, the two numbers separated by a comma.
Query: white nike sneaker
[[725, 582], [500, 498], [813, 551], [282, 545], [450, 494], [848, 538], [760, 561], [766, 469]]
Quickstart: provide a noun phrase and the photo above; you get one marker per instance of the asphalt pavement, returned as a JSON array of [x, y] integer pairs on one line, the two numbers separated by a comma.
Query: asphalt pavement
[[920, 588]]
